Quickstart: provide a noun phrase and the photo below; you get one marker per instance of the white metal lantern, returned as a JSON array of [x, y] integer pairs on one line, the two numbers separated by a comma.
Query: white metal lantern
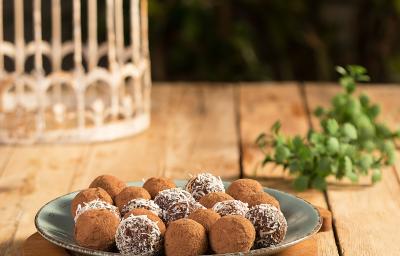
[[85, 103]]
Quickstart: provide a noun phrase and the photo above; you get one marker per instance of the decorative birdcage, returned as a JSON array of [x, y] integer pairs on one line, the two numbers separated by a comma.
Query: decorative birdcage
[[102, 95]]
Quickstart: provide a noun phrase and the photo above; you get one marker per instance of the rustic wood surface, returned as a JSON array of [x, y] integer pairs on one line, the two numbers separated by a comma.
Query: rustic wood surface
[[213, 127]]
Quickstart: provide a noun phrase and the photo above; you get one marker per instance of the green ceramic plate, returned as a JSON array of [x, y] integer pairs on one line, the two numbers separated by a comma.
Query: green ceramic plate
[[54, 222]]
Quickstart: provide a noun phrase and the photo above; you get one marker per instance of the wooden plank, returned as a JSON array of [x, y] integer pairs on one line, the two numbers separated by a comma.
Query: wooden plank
[[365, 216], [260, 106], [5, 153]]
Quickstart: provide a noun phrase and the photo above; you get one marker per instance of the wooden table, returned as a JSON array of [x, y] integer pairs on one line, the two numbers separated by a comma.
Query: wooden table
[[199, 127]]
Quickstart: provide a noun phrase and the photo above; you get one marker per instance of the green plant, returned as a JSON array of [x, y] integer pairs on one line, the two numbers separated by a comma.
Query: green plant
[[351, 141]]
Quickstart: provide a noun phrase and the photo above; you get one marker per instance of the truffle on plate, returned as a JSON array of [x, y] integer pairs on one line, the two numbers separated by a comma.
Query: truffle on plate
[[270, 225], [150, 215], [204, 183], [129, 193], [96, 204], [109, 183], [260, 198], [154, 185], [142, 203], [231, 207], [138, 235], [210, 199], [185, 237], [181, 209], [88, 195], [232, 234], [166, 197], [205, 217], [242, 187], [95, 229]]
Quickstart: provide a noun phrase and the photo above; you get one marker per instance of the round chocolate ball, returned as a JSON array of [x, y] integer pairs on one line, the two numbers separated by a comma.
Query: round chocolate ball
[[95, 229], [242, 187], [204, 183], [129, 193], [231, 207], [88, 195], [150, 215], [181, 209], [269, 223], [138, 235], [166, 197], [185, 237], [232, 234], [94, 205], [260, 198], [109, 183], [205, 217], [211, 199], [154, 185], [142, 203]]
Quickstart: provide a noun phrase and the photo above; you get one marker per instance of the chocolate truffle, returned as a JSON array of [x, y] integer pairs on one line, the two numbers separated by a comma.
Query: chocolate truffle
[[270, 225], [166, 197], [150, 215], [138, 235], [205, 217], [204, 183], [260, 198], [185, 237], [210, 199], [95, 229], [142, 203], [242, 187], [181, 209], [154, 185], [96, 204], [231, 207], [231, 234], [88, 195], [129, 193], [109, 183]]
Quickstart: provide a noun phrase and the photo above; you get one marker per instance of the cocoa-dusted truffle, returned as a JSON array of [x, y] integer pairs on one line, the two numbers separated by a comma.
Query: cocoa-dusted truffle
[[142, 203], [166, 197], [211, 199], [205, 217], [129, 193], [231, 207], [109, 183], [88, 195], [185, 237], [242, 187], [270, 225], [204, 183], [95, 229], [150, 215], [181, 209], [260, 198], [96, 204], [154, 185], [138, 235], [231, 234]]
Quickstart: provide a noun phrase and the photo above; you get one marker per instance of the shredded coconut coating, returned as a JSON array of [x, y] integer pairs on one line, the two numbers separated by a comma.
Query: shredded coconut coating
[[142, 203], [180, 210], [231, 207], [204, 183], [169, 196], [270, 225], [138, 235], [96, 204]]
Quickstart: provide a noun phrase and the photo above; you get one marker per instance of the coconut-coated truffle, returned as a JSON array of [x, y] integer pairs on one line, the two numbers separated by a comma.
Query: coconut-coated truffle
[[260, 198], [185, 237], [181, 209], [129, 193], [269, 223], [242, 187], [88, 195], [231, 207], [204, 183], [154, 185], [96, 204], [95, 229], [138, 235], [205, 217], [150, 215], [231, 234], [211, 199], [109, 183], [166, 197], [142, 203]]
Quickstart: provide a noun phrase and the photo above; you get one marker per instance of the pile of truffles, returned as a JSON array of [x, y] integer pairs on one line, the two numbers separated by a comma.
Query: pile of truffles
[[160, 218]]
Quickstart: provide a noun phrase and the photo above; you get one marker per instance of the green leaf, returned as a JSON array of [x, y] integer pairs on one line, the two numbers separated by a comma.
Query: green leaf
[[319, 183], [301, 183], [282, 153], [376, 175], [364, 100], [341, 70], [261, 140], [276, 127], [333, 145], [366, 162], [319, 111], [332, 126], [349, 131]]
